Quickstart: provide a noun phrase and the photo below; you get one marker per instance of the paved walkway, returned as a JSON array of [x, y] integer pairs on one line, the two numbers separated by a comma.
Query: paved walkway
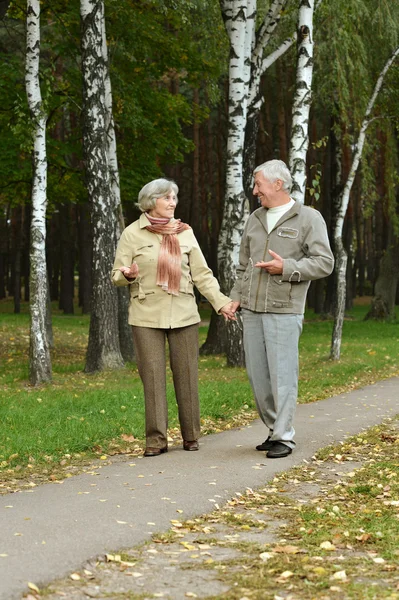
[[51, 530]]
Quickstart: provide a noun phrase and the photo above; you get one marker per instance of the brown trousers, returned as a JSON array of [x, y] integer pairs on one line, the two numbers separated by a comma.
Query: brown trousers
[[149, 345]]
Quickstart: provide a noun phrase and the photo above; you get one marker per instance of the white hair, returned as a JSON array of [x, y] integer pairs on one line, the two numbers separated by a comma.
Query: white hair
[[158, 188], [276, 169]]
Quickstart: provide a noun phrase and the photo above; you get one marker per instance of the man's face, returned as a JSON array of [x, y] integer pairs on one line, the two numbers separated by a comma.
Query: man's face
[[266, 190]]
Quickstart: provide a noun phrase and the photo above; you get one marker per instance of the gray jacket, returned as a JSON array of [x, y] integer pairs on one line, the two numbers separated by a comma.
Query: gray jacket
[[300, 238]]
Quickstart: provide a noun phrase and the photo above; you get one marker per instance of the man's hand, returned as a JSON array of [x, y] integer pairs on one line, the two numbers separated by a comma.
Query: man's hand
[[275, 266], [130, 272]]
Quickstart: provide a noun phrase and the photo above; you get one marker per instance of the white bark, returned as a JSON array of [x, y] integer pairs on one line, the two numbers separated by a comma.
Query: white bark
[[239, 17], [264, 35], [341, 256], [123, 293], [302, 100], [103, 349], [40, 360]]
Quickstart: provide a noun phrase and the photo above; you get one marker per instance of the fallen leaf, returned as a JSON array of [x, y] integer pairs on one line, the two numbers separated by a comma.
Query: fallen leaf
[[340, 575], [33, 587], [74, 577], [287, 549], [327, 546]]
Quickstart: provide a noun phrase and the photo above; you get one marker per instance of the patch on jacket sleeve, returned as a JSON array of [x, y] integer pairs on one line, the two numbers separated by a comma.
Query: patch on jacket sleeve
[[287, 232]]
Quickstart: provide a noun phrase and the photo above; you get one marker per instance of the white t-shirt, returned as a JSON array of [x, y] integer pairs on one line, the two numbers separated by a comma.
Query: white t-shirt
[[275, 213]]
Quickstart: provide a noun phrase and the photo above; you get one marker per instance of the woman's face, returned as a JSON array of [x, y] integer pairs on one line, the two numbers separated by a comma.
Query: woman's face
[[164, 207]]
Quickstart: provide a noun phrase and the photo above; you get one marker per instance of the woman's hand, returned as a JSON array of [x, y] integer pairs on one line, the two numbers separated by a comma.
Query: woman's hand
[[130, 272], [228, 311]]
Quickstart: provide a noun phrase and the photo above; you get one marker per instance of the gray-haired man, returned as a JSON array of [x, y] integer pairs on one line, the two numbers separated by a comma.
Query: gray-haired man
[[284, 247]]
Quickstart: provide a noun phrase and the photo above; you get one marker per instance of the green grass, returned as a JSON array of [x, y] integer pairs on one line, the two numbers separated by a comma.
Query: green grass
[[90, 414]]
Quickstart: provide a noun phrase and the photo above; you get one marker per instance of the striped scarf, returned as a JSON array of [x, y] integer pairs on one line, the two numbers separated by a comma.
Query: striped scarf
[[169, 260]]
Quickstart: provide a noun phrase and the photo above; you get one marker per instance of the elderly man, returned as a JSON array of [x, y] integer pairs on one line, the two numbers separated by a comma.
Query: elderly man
[[284, 247]]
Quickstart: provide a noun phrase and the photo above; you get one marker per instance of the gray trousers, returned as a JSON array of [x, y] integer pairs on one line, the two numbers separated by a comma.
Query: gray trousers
[[271, 357], [149, 345]]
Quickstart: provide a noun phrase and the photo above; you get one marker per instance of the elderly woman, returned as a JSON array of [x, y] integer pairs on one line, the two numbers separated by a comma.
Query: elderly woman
[[160, 259]]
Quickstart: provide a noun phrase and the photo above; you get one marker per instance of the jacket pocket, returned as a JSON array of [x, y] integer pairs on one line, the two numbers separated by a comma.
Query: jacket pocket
[[281, 293]]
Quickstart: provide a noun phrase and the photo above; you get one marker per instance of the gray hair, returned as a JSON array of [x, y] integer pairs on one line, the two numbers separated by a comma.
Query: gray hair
[[158, 188], [276, 169]]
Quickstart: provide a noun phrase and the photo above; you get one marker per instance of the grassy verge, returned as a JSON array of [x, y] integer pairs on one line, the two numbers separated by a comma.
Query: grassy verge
[[78, 417]]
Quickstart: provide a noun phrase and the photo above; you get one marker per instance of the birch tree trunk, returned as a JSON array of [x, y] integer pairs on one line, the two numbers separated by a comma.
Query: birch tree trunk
[[340, 253], [259, 65], [39, 353], [302, 101], [103, 350], [239, 17], [123, 293]]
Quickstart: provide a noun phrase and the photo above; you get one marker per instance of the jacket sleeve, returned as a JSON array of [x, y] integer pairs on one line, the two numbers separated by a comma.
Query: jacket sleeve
[[244, 258], [318, 259], [204, 279], [123, 258]]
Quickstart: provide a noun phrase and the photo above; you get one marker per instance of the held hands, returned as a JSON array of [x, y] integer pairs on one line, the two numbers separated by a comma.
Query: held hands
[[228, 311], [275, 266], [130, 272]]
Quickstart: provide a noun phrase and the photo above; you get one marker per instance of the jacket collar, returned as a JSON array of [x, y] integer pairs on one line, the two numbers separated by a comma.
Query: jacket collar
[[260, 214]]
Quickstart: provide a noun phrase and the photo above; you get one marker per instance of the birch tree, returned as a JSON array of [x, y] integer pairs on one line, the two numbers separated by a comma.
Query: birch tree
[[39, 354], [302, 101], [341, 256], [103, 350], [123, 293], [239, 17], [246, 66]]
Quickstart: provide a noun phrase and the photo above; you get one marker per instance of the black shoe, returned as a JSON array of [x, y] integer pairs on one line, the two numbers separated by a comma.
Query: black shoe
[[266, 445], [279, 450]]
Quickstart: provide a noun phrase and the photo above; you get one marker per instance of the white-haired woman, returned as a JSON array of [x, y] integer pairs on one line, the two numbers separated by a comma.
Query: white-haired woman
[[159, 257]]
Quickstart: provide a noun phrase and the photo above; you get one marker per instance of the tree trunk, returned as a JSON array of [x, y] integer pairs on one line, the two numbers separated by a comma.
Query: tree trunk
[[341, 257], [17, 224], [40, 360], [341, 260], [383, 304], [215, 342], [85, 256], [123, 294], [302, 101], [67, 284], [103, 350]]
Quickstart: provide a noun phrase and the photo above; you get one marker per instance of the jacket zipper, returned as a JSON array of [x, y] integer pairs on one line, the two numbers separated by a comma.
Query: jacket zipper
[[260, 274]]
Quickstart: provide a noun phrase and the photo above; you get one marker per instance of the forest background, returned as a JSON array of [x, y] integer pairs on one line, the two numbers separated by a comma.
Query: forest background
[[169, 67]]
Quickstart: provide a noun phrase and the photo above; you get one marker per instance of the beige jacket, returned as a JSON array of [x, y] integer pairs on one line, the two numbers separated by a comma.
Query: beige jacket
[[150, 306]]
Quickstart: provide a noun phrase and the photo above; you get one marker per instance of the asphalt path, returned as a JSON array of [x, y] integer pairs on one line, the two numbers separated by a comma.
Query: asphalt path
[[50, 530]]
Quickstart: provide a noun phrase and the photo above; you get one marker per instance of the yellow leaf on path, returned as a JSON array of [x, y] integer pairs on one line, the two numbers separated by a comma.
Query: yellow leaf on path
[[340, 575], [135, 574], [33, 587], [265, 556], [74, 576], [287, 549], [188, 546], [113, 557], [191, 595], [327, 546], [286, 575]]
